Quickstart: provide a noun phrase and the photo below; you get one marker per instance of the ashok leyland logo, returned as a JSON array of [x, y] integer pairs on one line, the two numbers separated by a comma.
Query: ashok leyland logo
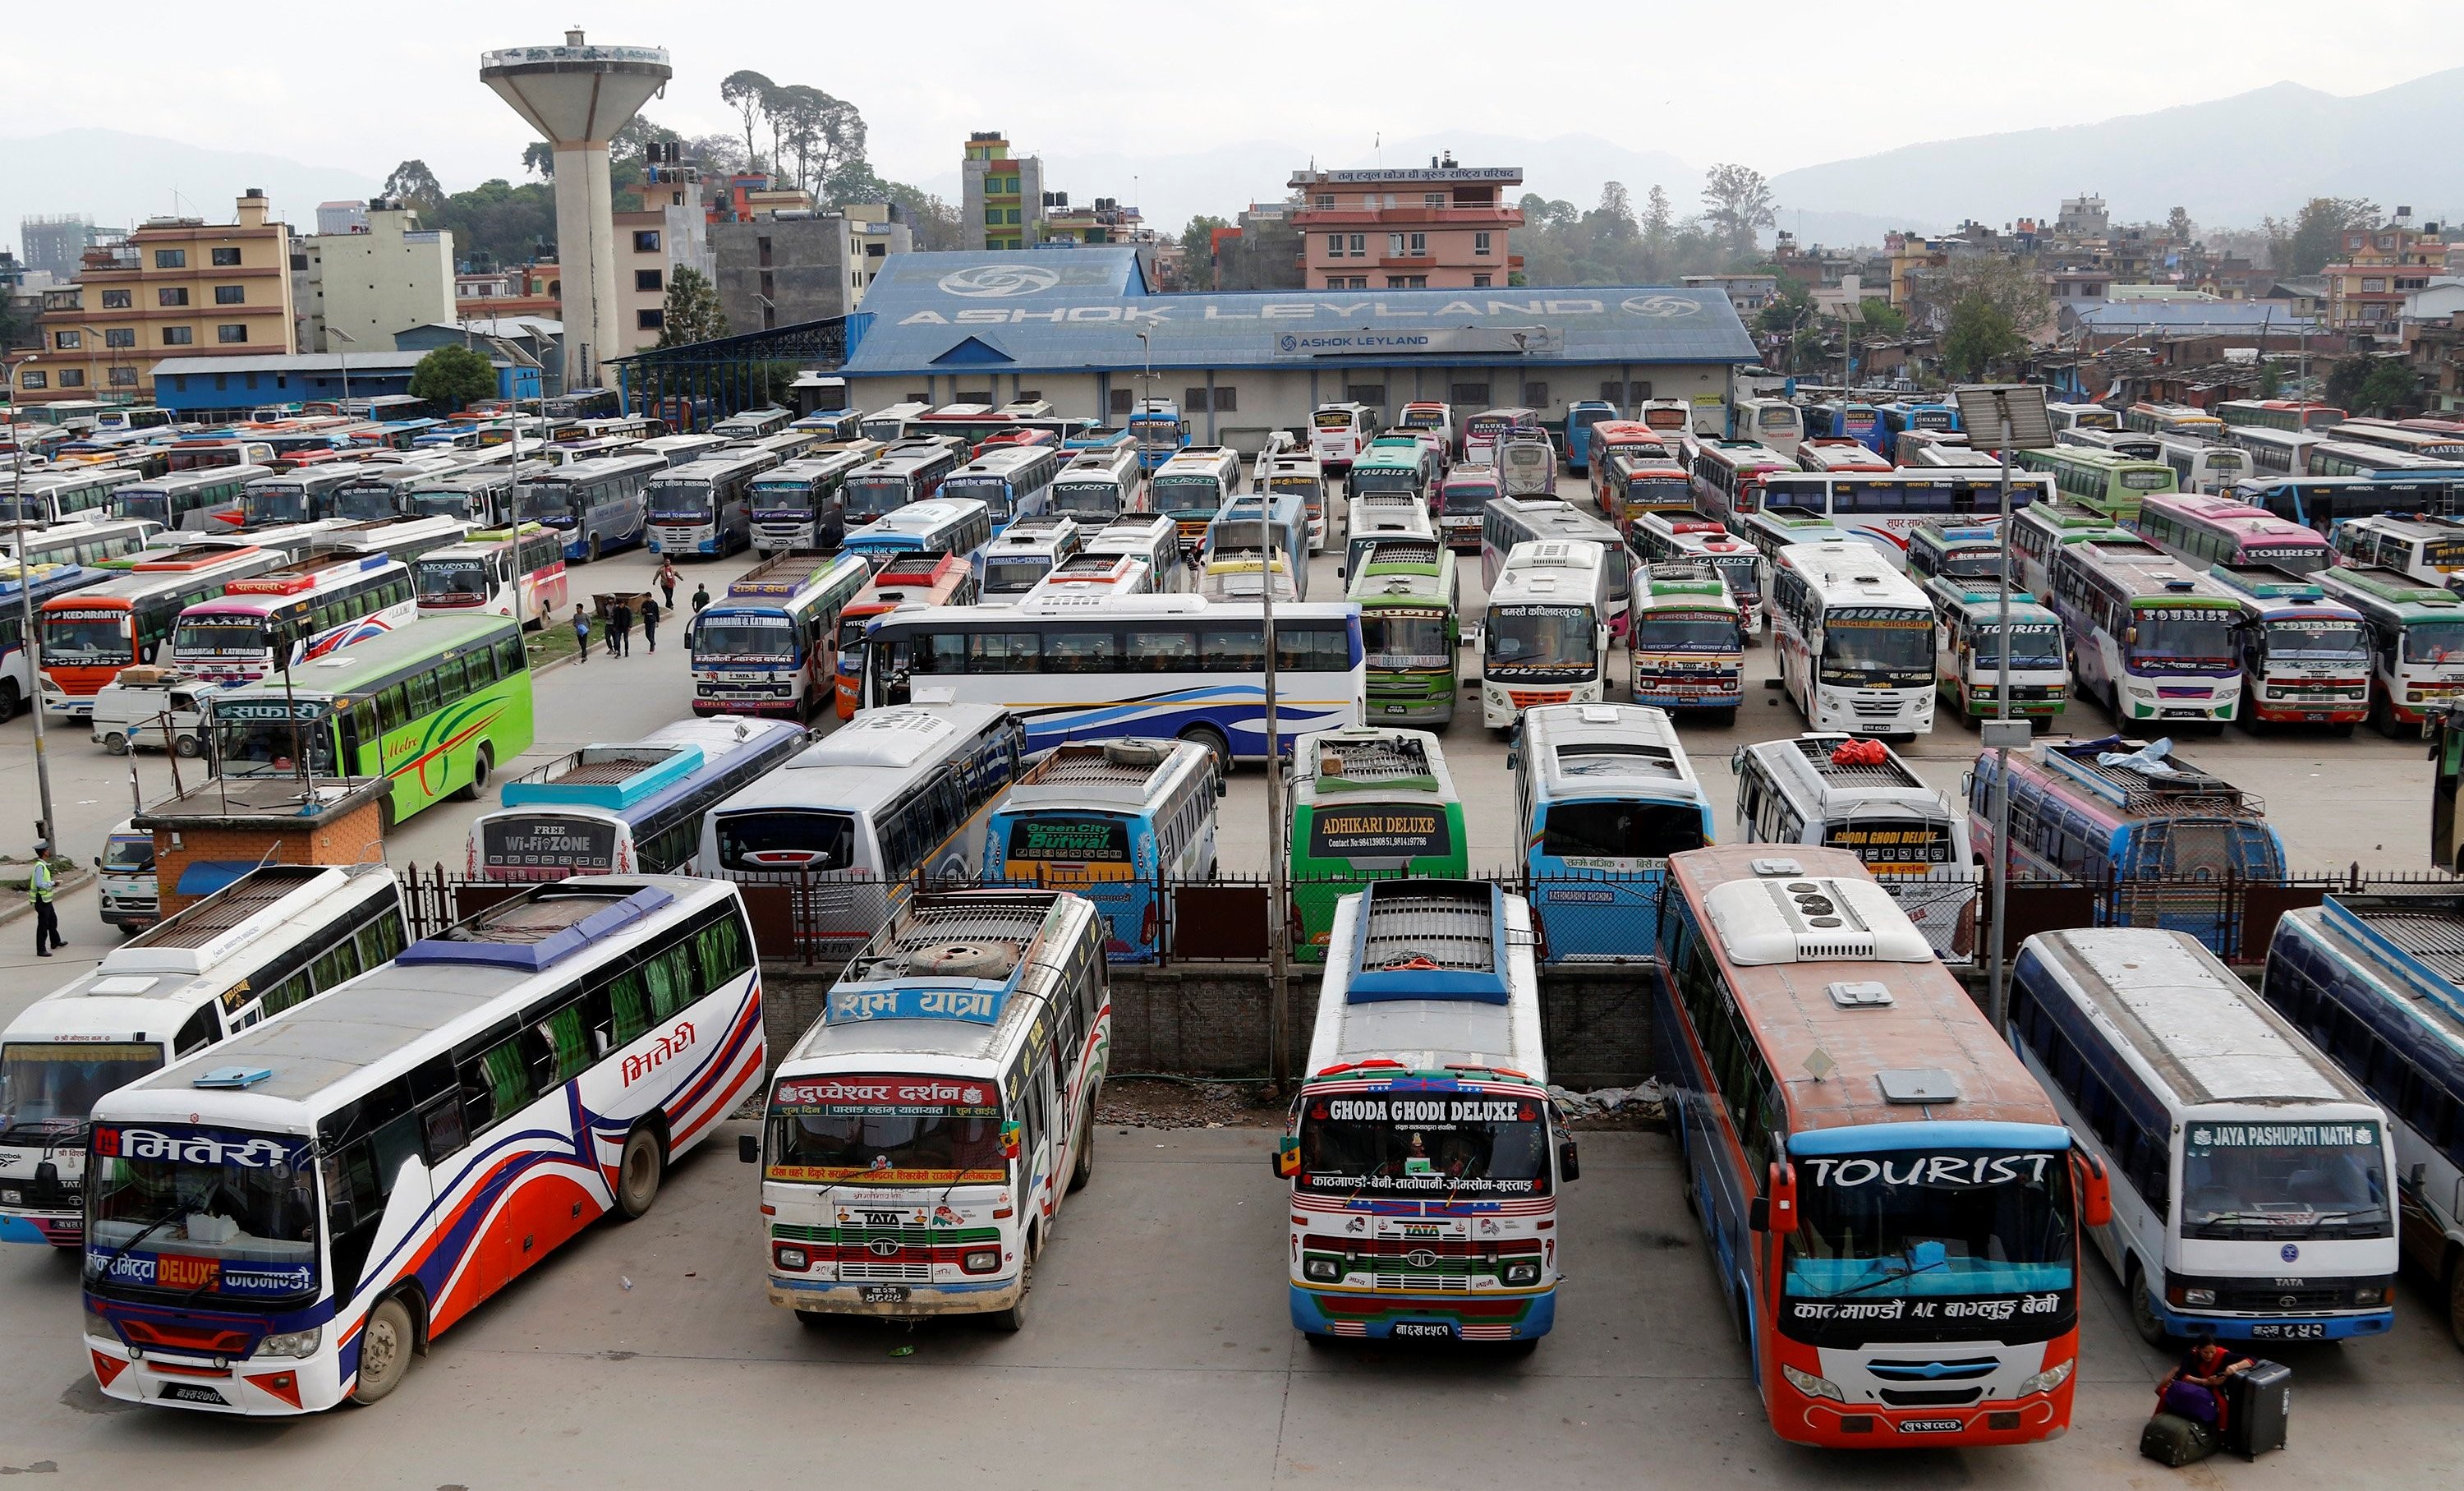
[[993, 281], [1666, 307]]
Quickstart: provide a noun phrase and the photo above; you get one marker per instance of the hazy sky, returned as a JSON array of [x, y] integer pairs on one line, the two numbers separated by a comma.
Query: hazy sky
[[1775, 84]]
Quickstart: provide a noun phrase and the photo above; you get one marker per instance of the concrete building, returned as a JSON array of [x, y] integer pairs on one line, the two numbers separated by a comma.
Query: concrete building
[[668, 234], [1001, 200], [793, 267], [373, 281], [1066, 326], [178, 287], [210, 388], [336, 217], [1439, 228], [2082, 217], [520, 290], [55, 244], [1748, 293], [2378, 268]]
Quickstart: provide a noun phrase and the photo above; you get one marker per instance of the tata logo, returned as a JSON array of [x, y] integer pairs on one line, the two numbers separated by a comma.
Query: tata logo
[[883, 1247], [1421, 1257], [2289, 1253], [1662, 307], [998, 281]]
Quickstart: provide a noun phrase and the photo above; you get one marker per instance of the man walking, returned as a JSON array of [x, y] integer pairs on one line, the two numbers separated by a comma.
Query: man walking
[[668, 581], [651, 621], [581, 635], [620, 631], [701, 597], [40, 889]]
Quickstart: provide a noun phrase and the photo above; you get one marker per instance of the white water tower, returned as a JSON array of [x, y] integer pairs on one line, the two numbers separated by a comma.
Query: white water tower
[[577, 97]]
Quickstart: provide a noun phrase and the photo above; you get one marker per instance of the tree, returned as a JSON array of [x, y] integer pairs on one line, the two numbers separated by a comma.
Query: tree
[[717, 154], [2271, 381], [2178, 226], [932, 220], [1882, 319], [497, 220], [1198, 250], [1787, 308], [2344, 382], [1657, 221], [1737, 203], [453, 376], [748, 93], [1980, 336], [825, 133], [539, 159], [692, 311], [2389, 390], [2016, 294], [412, 182], [2311, 241]]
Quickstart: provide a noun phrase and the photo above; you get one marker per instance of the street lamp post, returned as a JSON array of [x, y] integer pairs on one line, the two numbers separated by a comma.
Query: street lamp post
[[43, 825], [517, 357], [337, 331]]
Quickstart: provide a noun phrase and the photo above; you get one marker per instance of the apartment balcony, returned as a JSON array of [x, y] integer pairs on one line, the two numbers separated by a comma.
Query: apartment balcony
[[1442, 217]]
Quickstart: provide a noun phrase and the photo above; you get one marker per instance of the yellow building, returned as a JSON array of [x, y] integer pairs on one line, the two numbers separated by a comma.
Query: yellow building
[[178, 287]]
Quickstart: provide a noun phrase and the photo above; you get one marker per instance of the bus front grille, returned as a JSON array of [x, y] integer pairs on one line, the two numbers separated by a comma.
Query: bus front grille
[[1422, 1284]]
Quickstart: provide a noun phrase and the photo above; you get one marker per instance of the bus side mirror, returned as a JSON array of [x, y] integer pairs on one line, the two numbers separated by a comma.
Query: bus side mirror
[[1287, 1158], [1570, 1164], [748, 1148], [2095, 1207], [1777, 1205], [2130, 636]]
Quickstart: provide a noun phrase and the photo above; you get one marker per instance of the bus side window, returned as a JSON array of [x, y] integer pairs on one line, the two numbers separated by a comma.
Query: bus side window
[[202, 1029]]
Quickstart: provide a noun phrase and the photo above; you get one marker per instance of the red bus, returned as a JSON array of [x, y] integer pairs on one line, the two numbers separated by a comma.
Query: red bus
[[1892, 1203], [916, 579]]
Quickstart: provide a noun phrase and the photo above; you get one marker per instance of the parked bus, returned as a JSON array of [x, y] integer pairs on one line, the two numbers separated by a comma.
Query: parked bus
[[2165, 1064], [1629, 438], [1886, 508], [1831, 455], [2290, 415], [1337, 434], [77, 494], [1728, 477], [2223, 531], [1582, 416], [1903, 416], [2156, 418], [1156, 431], [1842, 419], [1141, 665], [1261, 524], [609, 1022], [1459, 505], [2082, 416], [631, 809], [1153, 539], [1774, 423], [1513, 520], [899, 476], [1450, 1125], [1824, 788], [1969, 1257], [449, 697], [1408, 596], [1961, 551], [1482, 432], [799, 505], [1384, 468], [2445, 447], [516, 572], [90, 633], [485, 498], [919, 579], [943, 525], [1435, 417], [596, 506], [2340, 457], [286, 617], [1098, 486], [265, 940], [2365, 979], [193, 456], [93, 542], [1368, 802], [1603, 794], [705, 506], [1632, 486], [303, 495], [1854, 640], [2104, 482], [1526, 463], [1090, 574], [1685, 637], [1378, 516], [1968, 652], [24, 588], [1194, 484], [677, 450], [1691, 537], [952, 1102], [2325, 503], [197, 500], [2166, 838], [2427, 548], [831, 425], [752, 424], [2151, 639], [2271, 453], [769, 645], [2040, 528], [2201, 465], [1011, 481], [1116, 821], [1544, 637], [895, 797], [1301, 476], [1017, 559], [2416, 636], [888, 425], [2119, 442]]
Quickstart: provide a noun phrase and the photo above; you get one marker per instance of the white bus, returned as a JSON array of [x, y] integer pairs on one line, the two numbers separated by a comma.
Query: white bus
[[262, 943], [88, 543], [288, 616], [1774, 423], [706, 507], [769, 646], [517, 571], [922, 1136], [1098, 486], [2238, 1154], [1544, 639], [1155, 540], [1082, 668], [1810, 791], [888, 425], [65, 493], [893, 796], [2203, 465], [1853, 637], [1019, 558], [2082, 416], [1510, 521], [2120, 442], [1096, 574], [677, 450], [202, 501], [798, 504], [351, 1181], [1885, 509], [1338, 432], [2272, 453]]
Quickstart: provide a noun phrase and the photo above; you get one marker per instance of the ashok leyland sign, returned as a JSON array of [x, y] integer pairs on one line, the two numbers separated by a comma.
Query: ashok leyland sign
[[1491, 318], [1383, 342]]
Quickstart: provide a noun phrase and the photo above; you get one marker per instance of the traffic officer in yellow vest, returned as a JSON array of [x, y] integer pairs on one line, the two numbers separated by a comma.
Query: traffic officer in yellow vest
[[42, 888]]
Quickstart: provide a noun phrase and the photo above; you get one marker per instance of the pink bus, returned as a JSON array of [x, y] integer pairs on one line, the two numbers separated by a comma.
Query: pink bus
[[2219, 531]]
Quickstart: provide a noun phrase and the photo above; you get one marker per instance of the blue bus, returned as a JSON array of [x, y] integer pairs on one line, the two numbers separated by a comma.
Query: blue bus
[[943, 525], [631, 809], [1095, 439], [2323, 502], [1603, 794], [1844, 419], [1234, 532], [831, 426], [1580, 416], [1895, 419], [595, 507], [1115, 821], [1011, 481]]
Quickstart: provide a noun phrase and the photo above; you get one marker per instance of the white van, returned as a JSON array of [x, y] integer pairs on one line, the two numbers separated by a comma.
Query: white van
[[129, 712], [124, 879]]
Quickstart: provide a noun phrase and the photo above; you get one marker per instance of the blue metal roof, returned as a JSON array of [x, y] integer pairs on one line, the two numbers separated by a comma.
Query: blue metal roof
[[2235, 315], [1084, 308]]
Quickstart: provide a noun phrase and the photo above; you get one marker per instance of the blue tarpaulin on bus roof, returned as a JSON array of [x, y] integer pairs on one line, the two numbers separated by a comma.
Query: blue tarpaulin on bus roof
[[205, 877]]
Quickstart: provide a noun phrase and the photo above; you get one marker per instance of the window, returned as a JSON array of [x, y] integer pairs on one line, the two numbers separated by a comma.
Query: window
[[1011, 217], [116, 299], [1394, 244], [1433, 199], [1122, 401], [1535, 395], [178, 335], [1193, 401], [1334, 245], [70, 378], [231, 295], [1407, 281], [1480, 244], [1370, 393], [1325, 200], [1356, 282], [993, 216], [230, 331], [34, 378], [1472, 394], [68, 340], [119, 336], [1359, 245], [1420, 245], [646, 241], [1612, 391], [1480, 281], [650, 281], [123, 377], [649, 321], [171, 295], [1226, 401], [170, 259], [225, 258]]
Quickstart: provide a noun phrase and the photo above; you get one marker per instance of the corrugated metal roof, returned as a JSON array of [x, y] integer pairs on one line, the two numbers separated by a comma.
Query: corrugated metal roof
[[1084, 308], [373, 363], [2237, 315]]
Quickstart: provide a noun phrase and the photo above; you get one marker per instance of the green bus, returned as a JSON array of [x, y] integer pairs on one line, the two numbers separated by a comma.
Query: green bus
[[2104, 481], [1409, 629], [1388, 468], [1368, 803], [436, 705]]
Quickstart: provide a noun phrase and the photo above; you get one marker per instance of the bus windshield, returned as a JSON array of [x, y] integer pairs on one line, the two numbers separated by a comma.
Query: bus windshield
[[273, 505], [887, 1131], [254, 747], [1658, 494], [451, 580], [2036, 645], [86, 641], [1968, 563], [782, 501], [365, 504], [2319, 640], [1406, 638], [1014, 576], [547, 503], [2175, 636], [2282, 1180], [1914, 1223], [195, 1211], [1877, 649], [1087, 499], [744, 636], [2434, 641], [155, 506], [241, 637], [1385, 478], [874, 496], [1615, 828], [1188, 494], [1467, 499], [680, 501], [1435, 1146], [54, 1085], [1541, 639], [1680, 633]]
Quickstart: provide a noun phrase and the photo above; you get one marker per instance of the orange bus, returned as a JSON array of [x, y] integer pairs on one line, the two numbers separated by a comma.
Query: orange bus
[[89, 636], [1892, 1203], [912, 579]]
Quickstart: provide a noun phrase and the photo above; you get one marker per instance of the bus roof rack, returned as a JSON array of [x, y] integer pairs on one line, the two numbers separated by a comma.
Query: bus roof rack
[[948, 956], [604, 776], [194, 939], [1429, 940], [1820, 751], [540, 927], [2131, 785], [2421, 932]]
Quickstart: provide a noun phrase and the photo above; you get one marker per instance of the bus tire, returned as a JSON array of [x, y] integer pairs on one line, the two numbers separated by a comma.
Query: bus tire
[[1082, 1162], [2142, 1318], [481, 765], [8, 701], [1723, 718], [640, 1168], [386, 1344], [116, 744], [1215, 741], [1012, 1320]]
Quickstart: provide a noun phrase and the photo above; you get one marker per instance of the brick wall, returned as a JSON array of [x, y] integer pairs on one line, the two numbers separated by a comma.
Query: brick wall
[[352, 837]]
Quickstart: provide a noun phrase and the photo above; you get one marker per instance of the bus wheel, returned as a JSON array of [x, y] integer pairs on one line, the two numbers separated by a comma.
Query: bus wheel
[[9, 702], [1215, 742], [1014, 1318], [116, 744], [1082, 1167], [2143, 1318], [385, 1345], [594, 548], [639, 1169], [480, 765], [2455, 1294], [1724, 719]]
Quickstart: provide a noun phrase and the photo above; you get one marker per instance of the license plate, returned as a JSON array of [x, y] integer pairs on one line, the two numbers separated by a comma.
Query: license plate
[[884, 1294], [191, 1393], [1930, 1426], [1426, 1329], [1394, 709], [2289, 1330]]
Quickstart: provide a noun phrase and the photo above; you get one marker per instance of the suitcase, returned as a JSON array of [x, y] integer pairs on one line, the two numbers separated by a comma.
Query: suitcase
[[2258, 1405], [2170, 1440]]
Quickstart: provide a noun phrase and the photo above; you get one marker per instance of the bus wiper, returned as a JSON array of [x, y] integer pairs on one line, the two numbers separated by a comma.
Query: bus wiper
[[178, 1208], [1909, 1269]]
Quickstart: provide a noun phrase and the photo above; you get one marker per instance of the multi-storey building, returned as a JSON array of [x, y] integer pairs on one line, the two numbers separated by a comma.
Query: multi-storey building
[[1444, 228], [797, 266], [668, 234], [2378, 268], [356, 288], [177, 287], [1002, 202]]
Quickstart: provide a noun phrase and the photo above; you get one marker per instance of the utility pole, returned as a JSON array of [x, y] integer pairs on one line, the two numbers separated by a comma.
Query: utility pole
[[1278, 1018], [44, 825]]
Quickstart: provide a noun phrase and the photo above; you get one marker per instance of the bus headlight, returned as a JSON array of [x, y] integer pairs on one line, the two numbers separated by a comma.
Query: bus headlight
[[1811, 1386], [1523, 1273], [99, 1327], [2049, 1379], [981, 1260], [795, 1258], [293, 1343], [2195, 1297], [2370, 1293], [1324, 1271]]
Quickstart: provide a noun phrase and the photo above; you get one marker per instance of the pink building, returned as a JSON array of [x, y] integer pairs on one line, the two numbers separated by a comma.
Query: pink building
[[1443, 228]]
